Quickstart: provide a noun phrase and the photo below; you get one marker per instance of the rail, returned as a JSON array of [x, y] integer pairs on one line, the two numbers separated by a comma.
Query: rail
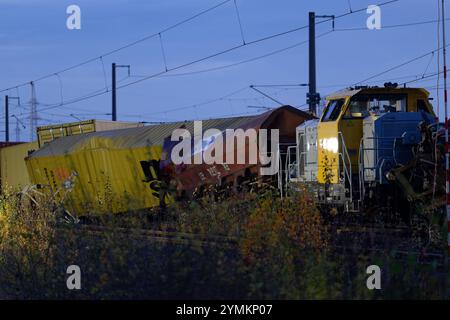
[[159, 236]]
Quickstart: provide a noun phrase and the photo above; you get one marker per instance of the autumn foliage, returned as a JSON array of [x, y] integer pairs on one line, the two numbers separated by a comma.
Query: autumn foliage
[[277, 249]]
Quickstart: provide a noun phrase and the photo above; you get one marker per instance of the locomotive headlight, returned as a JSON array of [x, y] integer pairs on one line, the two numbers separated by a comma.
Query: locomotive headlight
[[330, 144]]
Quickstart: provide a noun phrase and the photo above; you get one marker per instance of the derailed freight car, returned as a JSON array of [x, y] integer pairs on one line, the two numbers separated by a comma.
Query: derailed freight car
[[13, 170], [192, 177], [119, 171]]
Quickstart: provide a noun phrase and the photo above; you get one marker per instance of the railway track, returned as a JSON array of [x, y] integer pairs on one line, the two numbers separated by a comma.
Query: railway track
[[398, 242], [354, 239], [156, 236]]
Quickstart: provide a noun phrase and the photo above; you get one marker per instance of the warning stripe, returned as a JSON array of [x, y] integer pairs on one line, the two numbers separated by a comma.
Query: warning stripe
[[447, 164], [447, 175]]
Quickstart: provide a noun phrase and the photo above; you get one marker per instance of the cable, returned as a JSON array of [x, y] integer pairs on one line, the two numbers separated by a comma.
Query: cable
[[428, 65], [267, 96], [60, 87], [392, 26], [398, 66], [101, 92], [163, 52], [123, 47], [242, 62], [422, 78], [349, 5], [104, 73], [239, 21], [249, 43], [84, 97], [104, 91], [415, 76], [187, 20], [202, 103]]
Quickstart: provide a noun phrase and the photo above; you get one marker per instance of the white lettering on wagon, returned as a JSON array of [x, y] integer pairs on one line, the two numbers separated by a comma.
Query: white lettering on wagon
[[241, 147]]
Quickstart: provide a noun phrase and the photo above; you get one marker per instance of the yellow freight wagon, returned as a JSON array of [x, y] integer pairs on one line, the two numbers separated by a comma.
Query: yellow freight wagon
[[47, 134], [102, 172], [13, 169]]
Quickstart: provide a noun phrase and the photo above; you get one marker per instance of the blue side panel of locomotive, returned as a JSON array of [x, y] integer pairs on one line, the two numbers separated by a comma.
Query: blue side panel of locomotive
[[388, 140]]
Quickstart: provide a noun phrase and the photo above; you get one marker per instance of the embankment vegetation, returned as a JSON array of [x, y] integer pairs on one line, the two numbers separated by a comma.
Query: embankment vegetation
[[282, 249]]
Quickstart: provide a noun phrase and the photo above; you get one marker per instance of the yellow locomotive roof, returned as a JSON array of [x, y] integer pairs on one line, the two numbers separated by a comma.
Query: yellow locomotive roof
[[350, 92]]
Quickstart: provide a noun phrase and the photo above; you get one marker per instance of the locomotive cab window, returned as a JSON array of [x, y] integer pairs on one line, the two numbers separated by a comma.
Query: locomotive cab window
[[333, 110], [357, 109], [361, 106], [422, 106]]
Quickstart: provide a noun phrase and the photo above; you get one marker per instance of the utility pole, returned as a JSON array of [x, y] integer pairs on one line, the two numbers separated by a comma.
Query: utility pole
[[6, 118], [33, 115], [114, 88], [7, 98], [313, 97], [114, 96]]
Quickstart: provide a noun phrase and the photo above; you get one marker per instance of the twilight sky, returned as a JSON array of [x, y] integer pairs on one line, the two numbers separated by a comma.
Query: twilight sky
[[34, 42]]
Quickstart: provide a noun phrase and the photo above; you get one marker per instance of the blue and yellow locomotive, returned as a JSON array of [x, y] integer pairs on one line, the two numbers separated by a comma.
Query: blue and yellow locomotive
[[368, 149]]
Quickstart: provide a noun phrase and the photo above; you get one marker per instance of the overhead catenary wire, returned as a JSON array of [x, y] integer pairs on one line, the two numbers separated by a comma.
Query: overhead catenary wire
[[175, 109], [267, 96], [105, 90], [100, 92], [239, 21], [104, 73], [413, 77], [250, 43], [349, 6], [49, 106], [424, 78], [398, 66], [60, 87], [428, 65], [417, 78], [183, 22], [87, 61], [163, 52], [403, 25], [240, 62]]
